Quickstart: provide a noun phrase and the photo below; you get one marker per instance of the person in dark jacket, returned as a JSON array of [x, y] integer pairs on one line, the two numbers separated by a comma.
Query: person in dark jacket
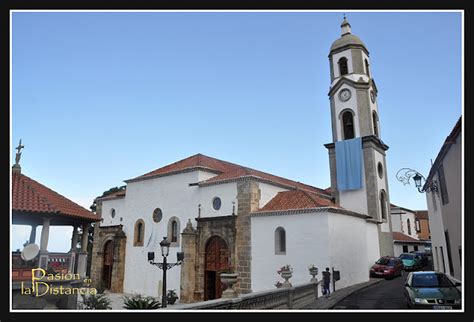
[[326, 282]]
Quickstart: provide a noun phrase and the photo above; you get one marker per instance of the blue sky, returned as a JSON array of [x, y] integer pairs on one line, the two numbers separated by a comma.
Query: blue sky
[[100, 97]]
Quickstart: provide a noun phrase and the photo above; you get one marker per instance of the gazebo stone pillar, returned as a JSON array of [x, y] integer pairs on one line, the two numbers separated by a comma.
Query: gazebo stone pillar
[[33, 233], [82, 255], [73, 251], [44, 254]]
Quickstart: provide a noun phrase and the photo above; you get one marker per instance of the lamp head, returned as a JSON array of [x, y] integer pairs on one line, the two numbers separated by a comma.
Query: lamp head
[[165, 247], [180, 256], [417, 178], [151, 256]]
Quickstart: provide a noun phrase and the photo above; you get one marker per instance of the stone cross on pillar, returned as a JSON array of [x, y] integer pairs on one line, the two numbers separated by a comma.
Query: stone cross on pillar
[[18, 154], [17, 166]]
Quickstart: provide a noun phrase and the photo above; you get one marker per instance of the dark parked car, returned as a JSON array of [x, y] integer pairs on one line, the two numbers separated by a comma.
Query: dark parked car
[[424, 257], [431, 290], [387, 267], [410, 261]]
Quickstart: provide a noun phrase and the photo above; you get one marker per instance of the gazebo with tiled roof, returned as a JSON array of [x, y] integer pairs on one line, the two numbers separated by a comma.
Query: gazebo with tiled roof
[[35, 205]]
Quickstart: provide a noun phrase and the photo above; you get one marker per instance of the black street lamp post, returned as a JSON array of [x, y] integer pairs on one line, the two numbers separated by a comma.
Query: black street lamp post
[[407, 173], [165, 247]]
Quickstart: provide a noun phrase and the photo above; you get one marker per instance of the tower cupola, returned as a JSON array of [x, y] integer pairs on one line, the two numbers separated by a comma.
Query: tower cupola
[[345, 27]]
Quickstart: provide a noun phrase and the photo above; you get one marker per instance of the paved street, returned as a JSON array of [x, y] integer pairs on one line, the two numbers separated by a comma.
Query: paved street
[[387, 294]]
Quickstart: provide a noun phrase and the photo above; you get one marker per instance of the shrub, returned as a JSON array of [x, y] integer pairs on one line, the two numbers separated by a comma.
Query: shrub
[[100, 287], [171, 296], [140, 302], [96, 302]]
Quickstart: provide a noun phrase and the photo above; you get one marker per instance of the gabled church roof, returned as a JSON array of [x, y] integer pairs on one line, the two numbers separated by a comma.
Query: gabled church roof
[[226, 171], [297, 199], [31, 196]]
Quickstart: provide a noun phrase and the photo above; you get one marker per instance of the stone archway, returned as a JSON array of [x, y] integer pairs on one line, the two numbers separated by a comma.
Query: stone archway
[[217, 257], [108, 263], [108, 258]]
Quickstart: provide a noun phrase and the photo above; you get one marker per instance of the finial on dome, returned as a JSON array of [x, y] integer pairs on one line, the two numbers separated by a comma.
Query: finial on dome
[[345, 27]]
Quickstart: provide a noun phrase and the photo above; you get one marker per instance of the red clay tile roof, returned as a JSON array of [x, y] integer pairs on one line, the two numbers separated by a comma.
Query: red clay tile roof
[[225, 171], [31, 196], [397, 236], [297, 199], [421, 214]]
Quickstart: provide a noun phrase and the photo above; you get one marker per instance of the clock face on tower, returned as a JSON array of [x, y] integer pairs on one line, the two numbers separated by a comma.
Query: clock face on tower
[[372, 96], [345, 95]]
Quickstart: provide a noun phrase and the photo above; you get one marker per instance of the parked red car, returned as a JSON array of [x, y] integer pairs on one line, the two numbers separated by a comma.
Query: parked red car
[[387, 267]]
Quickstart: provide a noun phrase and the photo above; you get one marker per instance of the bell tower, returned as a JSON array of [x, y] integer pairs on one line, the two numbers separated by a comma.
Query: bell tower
[[354, 114]]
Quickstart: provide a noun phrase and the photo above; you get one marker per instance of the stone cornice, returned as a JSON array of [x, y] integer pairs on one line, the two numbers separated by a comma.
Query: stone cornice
[[307, 210], [260, 179], [374, 221], [366, 141], [228, 217], [348, 46], [344, 80]]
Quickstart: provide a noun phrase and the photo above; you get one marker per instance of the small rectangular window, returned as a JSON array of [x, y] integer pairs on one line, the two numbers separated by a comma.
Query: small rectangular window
[[405, 248], [442, 185], [442, 258]]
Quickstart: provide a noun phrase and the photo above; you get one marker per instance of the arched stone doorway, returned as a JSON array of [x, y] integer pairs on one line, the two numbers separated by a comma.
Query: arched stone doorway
[[216, 262], [108, 264]]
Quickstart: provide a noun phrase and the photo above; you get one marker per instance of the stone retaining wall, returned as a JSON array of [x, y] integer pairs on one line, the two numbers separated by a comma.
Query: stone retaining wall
[[296, 297]]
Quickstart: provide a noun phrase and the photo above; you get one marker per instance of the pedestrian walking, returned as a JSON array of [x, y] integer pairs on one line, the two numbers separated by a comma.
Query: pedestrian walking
[[326, 282]]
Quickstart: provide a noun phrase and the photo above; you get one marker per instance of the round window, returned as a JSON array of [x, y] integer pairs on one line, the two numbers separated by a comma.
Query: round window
[[157, 215], [380, 170], [112, 213], [216, 203]]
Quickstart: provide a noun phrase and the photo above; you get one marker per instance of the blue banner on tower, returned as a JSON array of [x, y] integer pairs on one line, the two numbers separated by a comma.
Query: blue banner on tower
[[349, 164]]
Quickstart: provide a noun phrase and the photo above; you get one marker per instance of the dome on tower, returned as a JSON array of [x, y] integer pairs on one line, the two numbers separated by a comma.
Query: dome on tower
[[347, 38]]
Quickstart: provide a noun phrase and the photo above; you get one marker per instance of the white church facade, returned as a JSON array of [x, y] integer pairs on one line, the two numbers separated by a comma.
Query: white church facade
[[229, 218]]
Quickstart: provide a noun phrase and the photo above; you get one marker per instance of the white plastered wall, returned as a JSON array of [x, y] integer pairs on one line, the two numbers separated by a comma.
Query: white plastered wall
[[173, 195], [350, 248], [437, 230], [323, 239], [307, 242]]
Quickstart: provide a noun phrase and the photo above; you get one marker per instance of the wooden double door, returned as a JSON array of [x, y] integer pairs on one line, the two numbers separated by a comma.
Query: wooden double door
[[108, 264], [216, 262]]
